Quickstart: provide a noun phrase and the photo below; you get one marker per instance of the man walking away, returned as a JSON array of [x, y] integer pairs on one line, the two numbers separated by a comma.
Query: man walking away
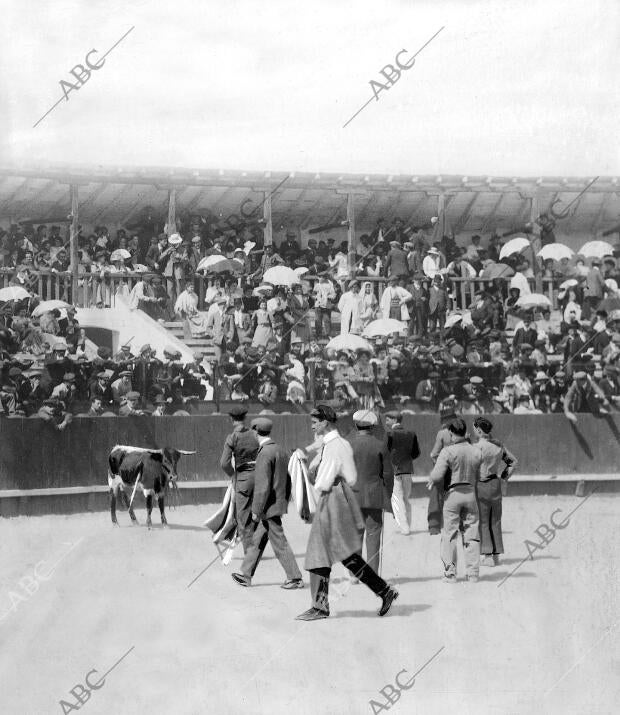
[[335, 534], [403, 447], [497, 464], [435, 499], [460, 510], [242, 445], [269, 504], [375, 480]]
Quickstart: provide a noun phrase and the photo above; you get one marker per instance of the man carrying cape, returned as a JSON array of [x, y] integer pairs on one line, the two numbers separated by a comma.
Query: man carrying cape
[[337, 526]]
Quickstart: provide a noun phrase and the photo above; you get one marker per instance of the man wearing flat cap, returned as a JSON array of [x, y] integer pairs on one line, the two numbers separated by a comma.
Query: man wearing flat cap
[[66, 390], [122, 385], [269, 504], [101, 388], [375, 481], [238, 461], [337, 527], [130, 405], [404, 449]]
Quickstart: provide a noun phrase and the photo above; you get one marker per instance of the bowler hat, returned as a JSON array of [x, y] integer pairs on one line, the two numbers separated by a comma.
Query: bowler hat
[[133, 395]]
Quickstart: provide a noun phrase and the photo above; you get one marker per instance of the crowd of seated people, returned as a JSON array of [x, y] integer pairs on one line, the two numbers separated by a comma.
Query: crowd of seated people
[[271, 341]]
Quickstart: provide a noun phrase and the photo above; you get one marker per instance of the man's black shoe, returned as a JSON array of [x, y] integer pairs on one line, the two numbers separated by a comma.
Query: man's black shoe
[[389, 598]]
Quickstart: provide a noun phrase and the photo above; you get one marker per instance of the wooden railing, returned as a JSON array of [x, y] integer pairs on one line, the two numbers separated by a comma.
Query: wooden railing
[[93, 290]]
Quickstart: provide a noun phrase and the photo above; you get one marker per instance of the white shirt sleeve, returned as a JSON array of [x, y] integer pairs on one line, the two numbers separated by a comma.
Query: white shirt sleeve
[[337, 460]]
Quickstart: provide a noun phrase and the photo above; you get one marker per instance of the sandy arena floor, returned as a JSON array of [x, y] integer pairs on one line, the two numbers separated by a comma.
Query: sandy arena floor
[[77, 595]]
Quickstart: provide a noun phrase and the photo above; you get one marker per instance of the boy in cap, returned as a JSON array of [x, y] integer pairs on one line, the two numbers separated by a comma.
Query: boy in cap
[[242, 445], [404, 449], [335, 534], [269, 504]]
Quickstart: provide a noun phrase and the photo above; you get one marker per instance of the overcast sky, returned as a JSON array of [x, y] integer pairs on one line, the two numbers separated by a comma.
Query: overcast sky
[[518, 88]]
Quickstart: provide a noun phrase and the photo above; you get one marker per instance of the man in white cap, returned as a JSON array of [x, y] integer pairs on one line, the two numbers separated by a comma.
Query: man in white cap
[[375, 481], [335, 534]]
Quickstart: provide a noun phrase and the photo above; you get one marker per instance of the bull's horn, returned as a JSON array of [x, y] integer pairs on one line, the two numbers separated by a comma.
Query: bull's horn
[[186, 451]]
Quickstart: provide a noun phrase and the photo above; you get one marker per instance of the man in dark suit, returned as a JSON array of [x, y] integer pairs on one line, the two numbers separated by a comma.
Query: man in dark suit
[[526, 334], [375, 481], [404, 448], [242, 445], [269, 503]]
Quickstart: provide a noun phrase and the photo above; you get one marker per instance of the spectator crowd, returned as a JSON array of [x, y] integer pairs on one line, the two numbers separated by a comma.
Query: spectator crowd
[[315, 332]]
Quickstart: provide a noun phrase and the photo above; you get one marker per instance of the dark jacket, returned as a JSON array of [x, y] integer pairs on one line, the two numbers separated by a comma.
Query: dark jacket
[[404, 448], [272, 485], [375, 476], [242, 444]]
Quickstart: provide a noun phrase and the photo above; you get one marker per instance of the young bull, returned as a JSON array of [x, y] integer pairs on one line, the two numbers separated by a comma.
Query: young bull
[[153, 469]]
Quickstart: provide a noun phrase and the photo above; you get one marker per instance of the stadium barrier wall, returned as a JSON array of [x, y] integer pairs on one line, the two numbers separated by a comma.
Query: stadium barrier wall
[[34, 456]]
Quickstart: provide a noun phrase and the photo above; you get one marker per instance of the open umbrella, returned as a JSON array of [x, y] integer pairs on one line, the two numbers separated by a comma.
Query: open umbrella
[[120, 254], [497, 270], [262, 290], [281, 276], [301, 270], [349, 341], [516, 245], [532, 300], [209, 261], [452, 320], [48, 305], [13, 293], [555, 251], [609, 304], [384, 327], [596, 249], [568, 283], [228, 265]]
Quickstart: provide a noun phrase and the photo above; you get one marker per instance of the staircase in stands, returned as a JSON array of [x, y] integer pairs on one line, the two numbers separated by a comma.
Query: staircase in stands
[[196, 345]]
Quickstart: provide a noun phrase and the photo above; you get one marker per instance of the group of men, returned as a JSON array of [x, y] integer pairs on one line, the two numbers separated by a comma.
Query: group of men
[[355, 481]]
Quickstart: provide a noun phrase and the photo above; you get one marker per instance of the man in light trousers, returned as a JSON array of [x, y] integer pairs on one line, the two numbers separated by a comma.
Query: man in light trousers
[[460, 509], [403, 447]]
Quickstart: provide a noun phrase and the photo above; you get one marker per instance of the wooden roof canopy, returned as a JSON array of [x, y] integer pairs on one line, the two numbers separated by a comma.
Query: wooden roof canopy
[[117, 195]]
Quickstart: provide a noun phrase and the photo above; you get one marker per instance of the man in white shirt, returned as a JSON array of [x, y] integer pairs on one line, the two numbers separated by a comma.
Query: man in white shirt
[[324, 295], [337, 526]]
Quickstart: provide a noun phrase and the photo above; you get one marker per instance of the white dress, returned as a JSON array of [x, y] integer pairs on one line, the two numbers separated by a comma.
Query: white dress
[[349, 306]]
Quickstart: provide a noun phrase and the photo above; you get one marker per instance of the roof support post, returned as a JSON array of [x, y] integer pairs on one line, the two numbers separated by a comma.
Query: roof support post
[[73, 242], [351, 234], [268, 228]]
